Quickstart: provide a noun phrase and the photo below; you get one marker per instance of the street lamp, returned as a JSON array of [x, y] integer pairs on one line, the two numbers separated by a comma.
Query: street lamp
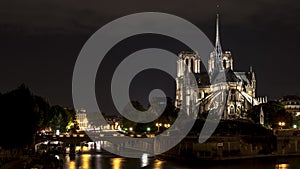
[[294, 126], [167, 125], [158, 125], [281, 124], [148, 129]]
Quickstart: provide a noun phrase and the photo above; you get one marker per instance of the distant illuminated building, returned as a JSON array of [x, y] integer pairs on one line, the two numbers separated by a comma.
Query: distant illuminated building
[[237, 89], [292, 105], [82, 119]]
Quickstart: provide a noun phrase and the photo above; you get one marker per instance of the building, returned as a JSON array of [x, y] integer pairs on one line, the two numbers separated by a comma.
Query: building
[[218, 86], [82, 119], [292, 105]]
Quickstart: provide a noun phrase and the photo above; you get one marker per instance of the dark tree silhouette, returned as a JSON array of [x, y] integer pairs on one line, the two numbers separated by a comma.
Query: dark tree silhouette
[[273, 113], [19, 111], [23, 114]]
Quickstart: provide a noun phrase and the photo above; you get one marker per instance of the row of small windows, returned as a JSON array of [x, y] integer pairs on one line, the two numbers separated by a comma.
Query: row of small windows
[[293, 107], [291, 103]]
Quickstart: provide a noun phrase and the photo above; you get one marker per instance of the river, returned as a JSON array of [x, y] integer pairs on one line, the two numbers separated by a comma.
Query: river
[[98, 161]]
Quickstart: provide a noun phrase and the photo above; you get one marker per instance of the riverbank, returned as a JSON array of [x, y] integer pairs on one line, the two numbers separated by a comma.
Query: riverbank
[[280, 158], [34, 161]]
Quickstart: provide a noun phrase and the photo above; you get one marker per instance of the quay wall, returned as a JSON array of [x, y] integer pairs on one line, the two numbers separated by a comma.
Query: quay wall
[[235, 147]]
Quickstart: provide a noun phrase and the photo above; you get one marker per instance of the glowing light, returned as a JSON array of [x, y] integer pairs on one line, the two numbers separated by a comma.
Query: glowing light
[[144, 160], [294, 126], [167, 125], [117, 163], [85, 149], [158, 164], [72, 165], [282, 166], [158, 125], [57, 157], [85, 161], [281, 123]]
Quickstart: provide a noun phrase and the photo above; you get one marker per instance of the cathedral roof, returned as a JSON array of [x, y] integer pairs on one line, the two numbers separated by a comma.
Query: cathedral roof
[[203, 79], [231, 76], [244, 76]]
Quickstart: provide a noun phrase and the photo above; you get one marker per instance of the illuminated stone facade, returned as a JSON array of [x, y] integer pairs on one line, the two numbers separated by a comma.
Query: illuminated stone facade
[[238, 88], [82, 119]]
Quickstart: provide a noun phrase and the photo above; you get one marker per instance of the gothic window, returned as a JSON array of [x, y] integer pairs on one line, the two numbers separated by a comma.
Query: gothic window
[[231, 110], [232, 95]]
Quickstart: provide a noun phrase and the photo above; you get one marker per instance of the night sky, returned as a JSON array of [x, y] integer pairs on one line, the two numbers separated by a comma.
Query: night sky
[[40, 40]]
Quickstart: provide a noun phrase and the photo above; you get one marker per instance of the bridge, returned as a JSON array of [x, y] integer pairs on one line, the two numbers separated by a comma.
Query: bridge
[[109, 141]]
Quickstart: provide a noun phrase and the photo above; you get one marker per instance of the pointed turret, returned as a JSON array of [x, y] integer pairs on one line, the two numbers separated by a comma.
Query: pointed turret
[[261, 116]]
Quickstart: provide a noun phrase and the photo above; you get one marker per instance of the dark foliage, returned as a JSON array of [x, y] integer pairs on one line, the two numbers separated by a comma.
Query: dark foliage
[[168, 116], [274, 112], [233, 127], [23, 114]]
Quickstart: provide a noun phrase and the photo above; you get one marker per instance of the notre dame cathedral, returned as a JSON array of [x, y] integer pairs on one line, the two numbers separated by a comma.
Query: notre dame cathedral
[[239, 87]]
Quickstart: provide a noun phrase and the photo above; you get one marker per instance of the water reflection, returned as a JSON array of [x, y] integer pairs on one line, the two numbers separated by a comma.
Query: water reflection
[[158, 164], [282, 166], [116, 163], [99, 161], [72, 165], [85, 161]]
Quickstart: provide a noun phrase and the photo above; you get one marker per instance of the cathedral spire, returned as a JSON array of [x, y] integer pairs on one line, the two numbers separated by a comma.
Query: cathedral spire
[[218, 47]]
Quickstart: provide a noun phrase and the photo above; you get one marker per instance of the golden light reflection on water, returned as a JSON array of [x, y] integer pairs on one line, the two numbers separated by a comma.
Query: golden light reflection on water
[[282, 166], [85, 161], [88, 161], [116, 163], [72, 165], [158, 164], [82, 162]]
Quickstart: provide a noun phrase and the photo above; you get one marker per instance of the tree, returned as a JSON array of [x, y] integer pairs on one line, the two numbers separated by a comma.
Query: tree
[[25, 113], [168, 116], [42, 109], [274, 112], [60, 117], [19, 110], [132, 114]]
